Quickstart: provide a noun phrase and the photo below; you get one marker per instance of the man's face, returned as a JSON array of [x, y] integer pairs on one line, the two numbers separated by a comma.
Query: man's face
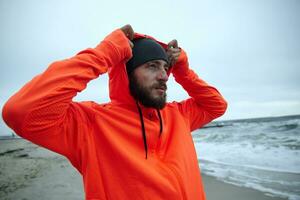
[[148, 83]]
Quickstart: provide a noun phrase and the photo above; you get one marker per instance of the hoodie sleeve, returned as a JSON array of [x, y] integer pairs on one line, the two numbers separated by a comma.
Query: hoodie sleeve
[[43, 112], [205, 104]]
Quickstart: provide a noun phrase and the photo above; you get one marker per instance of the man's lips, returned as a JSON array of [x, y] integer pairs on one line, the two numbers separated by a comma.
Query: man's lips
[[161, 90], [161, 87]]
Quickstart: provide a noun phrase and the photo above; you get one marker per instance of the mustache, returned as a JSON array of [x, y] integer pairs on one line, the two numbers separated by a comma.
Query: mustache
[[160, 85]]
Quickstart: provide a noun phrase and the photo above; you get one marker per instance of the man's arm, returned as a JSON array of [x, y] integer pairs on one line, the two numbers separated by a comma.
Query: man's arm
[[206, 103], [43, 111]]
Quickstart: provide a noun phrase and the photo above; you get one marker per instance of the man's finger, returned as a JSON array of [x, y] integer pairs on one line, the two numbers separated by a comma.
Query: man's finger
[[176, 54], [128, 31], [173, 44], [131, 44], [174, 50], [171, 60]]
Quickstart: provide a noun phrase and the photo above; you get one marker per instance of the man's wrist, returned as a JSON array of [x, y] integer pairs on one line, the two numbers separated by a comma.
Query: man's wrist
[[181, 67]]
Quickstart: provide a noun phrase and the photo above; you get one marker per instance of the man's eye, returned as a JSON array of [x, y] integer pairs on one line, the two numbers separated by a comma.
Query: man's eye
[[152, 65]]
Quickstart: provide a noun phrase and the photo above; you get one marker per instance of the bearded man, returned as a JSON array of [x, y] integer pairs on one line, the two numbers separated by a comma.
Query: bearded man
[[137, 146]]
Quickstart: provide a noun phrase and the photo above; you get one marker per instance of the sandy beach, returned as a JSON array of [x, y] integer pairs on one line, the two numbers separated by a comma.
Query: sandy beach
[[29, 172]]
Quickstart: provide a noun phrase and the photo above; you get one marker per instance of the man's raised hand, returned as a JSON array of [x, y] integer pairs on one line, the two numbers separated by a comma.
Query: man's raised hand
[[173, 52], [128, 31]]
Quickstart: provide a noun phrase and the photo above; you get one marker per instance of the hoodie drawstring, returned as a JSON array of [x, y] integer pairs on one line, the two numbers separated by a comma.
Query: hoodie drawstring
[[160, 122], [143, 127]]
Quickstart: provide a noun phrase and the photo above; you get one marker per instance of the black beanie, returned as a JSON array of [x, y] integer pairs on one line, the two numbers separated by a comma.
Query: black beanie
[[145, 50]]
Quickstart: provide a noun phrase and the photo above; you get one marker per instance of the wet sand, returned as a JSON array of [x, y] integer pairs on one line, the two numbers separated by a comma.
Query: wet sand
[[29, 172]]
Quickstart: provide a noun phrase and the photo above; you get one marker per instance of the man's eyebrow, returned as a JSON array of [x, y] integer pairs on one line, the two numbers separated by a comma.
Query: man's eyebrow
[[157, 62], [154, 61]]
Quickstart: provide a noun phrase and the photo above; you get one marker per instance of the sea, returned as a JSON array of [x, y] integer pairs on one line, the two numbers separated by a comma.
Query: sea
[[261, 153]]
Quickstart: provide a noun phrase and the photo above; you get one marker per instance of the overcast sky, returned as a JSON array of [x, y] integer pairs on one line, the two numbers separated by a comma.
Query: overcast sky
[[248, 49]]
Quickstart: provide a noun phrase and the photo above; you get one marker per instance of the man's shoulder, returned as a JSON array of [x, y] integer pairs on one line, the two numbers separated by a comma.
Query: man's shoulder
[[172, 105], [179, 105]]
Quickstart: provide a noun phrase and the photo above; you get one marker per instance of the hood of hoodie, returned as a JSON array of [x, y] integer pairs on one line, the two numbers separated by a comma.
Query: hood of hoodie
[[119, 92]]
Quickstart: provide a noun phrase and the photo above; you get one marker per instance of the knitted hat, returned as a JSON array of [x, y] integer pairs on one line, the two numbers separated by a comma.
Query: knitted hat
[[145, 50]]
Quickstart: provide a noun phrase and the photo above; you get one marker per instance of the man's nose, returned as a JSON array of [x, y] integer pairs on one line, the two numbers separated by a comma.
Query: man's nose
[[163, 75]]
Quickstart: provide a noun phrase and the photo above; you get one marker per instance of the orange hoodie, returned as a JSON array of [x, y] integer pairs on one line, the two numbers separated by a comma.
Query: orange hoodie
[[104, 141]]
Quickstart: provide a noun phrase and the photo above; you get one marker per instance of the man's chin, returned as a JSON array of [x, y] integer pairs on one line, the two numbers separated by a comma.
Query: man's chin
[[156, 106], [159, 102]]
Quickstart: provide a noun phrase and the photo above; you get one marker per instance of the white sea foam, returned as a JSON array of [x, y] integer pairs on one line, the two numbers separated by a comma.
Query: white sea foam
[[250, 155]]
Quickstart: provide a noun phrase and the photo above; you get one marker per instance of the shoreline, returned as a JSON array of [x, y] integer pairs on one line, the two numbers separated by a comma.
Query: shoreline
[[29, 172], [216, 189]]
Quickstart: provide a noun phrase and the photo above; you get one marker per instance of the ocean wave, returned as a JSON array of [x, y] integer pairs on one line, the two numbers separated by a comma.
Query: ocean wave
[[255, 167], [285, 127]]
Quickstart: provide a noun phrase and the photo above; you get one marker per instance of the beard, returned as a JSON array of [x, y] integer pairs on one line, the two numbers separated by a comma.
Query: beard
[[143, 94]]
